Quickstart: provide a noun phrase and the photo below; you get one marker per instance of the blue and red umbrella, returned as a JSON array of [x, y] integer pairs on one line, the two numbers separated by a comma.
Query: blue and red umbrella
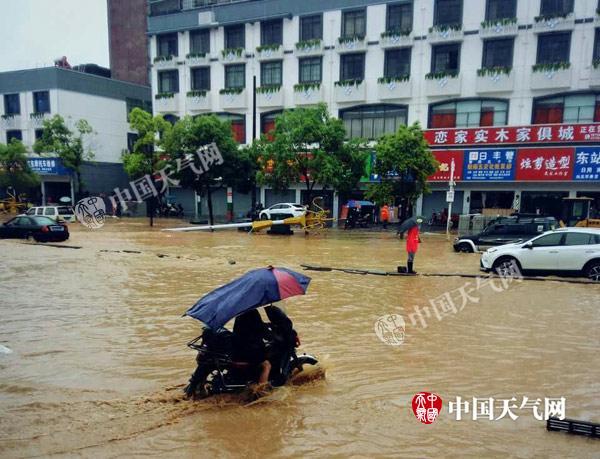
[[254, 289]]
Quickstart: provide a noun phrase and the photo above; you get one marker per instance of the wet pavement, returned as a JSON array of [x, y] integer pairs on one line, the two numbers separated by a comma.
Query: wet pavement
[[96, 350]]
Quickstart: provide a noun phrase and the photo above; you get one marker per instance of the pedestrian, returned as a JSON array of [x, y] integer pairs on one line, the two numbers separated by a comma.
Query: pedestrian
[[413, 239], [385, 215]]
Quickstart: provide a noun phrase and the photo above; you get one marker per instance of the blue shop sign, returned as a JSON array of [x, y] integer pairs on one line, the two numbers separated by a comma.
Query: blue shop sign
[[489, 165], [587, 164], [48, 166]]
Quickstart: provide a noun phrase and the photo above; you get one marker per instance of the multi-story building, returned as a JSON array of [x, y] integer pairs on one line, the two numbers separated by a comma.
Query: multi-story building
[[28, 97], [468, 70], [127, 40]]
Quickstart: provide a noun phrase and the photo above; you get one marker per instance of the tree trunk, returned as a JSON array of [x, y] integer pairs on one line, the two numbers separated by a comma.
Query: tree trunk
[[308, 192], [210, 206]]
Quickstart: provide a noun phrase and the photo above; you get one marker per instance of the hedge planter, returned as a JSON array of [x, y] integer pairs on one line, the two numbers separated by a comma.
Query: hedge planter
[[195, 101], [499, 29], [268, 53], [234, 100], [394, 89], [495, 82], [270, 97], [345, 93], [308, 94], [351, 45], [443, 86], [10, 121], [553, 24], [194, 60], [36, 120], [390, 40], [232, 56], [166, 103], [167, 62], [309, 48], [551, 79], [445, 34]]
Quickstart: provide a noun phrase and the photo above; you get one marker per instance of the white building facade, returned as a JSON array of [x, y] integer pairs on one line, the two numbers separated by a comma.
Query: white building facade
[[450, 65], [28, 97]]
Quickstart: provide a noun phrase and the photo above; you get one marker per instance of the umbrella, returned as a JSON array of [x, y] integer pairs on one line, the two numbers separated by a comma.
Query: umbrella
[[254, 289], [354, 203], [409, 223]]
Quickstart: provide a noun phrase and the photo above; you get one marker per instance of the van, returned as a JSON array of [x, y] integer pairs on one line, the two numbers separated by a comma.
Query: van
[[58, 213]]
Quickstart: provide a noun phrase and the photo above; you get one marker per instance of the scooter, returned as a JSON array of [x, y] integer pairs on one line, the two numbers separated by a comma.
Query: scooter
[[218, 373]]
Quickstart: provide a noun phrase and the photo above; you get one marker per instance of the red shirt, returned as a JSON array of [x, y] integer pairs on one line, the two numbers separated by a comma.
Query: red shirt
[[412, 240]]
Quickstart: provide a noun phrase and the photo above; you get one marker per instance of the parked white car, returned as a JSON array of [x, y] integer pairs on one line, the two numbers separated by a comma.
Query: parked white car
[[281, 211], [562, 251], [54, 212]]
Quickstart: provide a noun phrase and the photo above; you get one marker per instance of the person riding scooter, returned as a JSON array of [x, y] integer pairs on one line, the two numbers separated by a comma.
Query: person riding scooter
[[249, 332], [283, 340]]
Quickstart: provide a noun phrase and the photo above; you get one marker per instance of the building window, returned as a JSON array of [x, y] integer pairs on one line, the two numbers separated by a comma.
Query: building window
[[38, 133], [447, 12], [200, 42], [373, 121], [352, 66], [399, 17], [12, 105], [397, 63], [445, 58], [14, 135], [497, 10], [553, 48], [270, 73], [556, 7], [575, 108], [41, 102], [235, 76], [596, 57], [311, 27], [271, 32], [131, 140], [354, 23], [167, 45], [310, 70], [200, 79], [235, 36], [468, 113], [238, 125], [498, 53], [170, 118], [168, 81], [267, 123], [145, 105]]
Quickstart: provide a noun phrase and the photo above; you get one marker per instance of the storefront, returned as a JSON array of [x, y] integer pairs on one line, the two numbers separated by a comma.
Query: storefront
[[56, 180], [528, 169]]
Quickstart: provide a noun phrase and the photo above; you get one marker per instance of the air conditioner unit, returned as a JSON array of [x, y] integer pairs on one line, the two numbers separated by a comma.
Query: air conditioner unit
[[206, 18]]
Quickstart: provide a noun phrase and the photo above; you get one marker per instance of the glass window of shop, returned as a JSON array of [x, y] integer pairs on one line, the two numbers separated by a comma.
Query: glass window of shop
[[573, 108], [547, 203], [468, 113], [373, 121]]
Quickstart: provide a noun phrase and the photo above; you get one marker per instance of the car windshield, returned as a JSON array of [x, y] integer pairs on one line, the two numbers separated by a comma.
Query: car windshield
[[44, 221], [65, 211]]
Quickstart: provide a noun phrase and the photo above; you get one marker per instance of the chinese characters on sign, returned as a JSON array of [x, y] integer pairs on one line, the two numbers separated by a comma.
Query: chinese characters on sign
[[492, 165], [48, 166], [444, 158], [545, 164], [587, 163], [555, 133]]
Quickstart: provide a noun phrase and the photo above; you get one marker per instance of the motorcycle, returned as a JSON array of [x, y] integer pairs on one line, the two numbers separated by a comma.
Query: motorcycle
[[218, 373]]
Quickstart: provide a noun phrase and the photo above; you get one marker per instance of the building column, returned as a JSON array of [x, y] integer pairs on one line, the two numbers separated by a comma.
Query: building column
[[298, 197], [517, 201], [466, 202], [263, 199], [335, 212], [43, 186], [419, 205], [72, 192]]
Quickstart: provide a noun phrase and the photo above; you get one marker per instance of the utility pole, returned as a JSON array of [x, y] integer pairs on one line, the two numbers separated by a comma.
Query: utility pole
[[450, 199], [253, 194]]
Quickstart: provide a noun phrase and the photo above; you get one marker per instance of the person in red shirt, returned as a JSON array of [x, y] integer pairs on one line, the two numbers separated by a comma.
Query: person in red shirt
[[385, 215], [413, 240]]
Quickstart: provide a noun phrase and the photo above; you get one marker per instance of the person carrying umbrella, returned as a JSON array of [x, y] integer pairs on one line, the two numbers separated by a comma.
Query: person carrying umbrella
[[413, 239]]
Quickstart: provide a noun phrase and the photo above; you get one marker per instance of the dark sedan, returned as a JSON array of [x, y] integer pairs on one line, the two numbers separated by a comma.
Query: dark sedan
[[42, 229]]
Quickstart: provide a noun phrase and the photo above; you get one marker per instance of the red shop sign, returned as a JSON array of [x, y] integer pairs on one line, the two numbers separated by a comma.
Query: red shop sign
[[444, 158], [548, 133], [545, 164]]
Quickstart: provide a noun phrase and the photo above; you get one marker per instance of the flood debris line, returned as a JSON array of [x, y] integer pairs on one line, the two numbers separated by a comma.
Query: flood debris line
[[46, 244], [377, 272]]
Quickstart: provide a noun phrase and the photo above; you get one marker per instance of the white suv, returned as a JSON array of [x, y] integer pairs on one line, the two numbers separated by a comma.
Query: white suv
[[562, 251], [281, 211], [54, 212]]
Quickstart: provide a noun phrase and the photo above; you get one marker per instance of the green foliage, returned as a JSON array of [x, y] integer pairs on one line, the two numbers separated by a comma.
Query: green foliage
[[440, 75], [403, 162], [36, 115], [548, 17], [350, 39], [549, 67], [235, 51], [231, 91], [196, 93], [8, 116], [57, 138], [164, 95], [494, 71], [301, 87], [348, 82], [268, 89], [498, 22], [14, 170], [308, 44], [308, 144], [445, 28], [195, 56], [388, 80], [272, 47], [596, 63], [396, 33], [163, 58]]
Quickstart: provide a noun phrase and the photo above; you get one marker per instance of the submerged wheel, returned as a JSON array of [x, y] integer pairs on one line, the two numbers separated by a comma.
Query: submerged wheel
[[464, 247], [30, 238], [592, 272], [264, 217], [505, 266]]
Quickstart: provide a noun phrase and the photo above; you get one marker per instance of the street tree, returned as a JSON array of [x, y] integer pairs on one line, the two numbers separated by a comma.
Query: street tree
[[70, 145], [308, 145], [15, 173], [403, 162], [234, 167]]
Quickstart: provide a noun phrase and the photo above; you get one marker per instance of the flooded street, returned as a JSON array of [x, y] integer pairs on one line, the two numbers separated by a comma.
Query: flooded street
[[99, 358]]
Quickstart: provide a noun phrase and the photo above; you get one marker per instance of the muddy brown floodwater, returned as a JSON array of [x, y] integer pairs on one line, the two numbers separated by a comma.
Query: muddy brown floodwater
[[99, 358]]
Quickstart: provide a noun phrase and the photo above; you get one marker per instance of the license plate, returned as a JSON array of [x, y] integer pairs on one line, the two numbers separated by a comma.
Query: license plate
[[57, 228]]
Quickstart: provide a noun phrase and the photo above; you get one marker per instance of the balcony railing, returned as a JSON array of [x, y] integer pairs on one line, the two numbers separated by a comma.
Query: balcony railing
[[162, 7]]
